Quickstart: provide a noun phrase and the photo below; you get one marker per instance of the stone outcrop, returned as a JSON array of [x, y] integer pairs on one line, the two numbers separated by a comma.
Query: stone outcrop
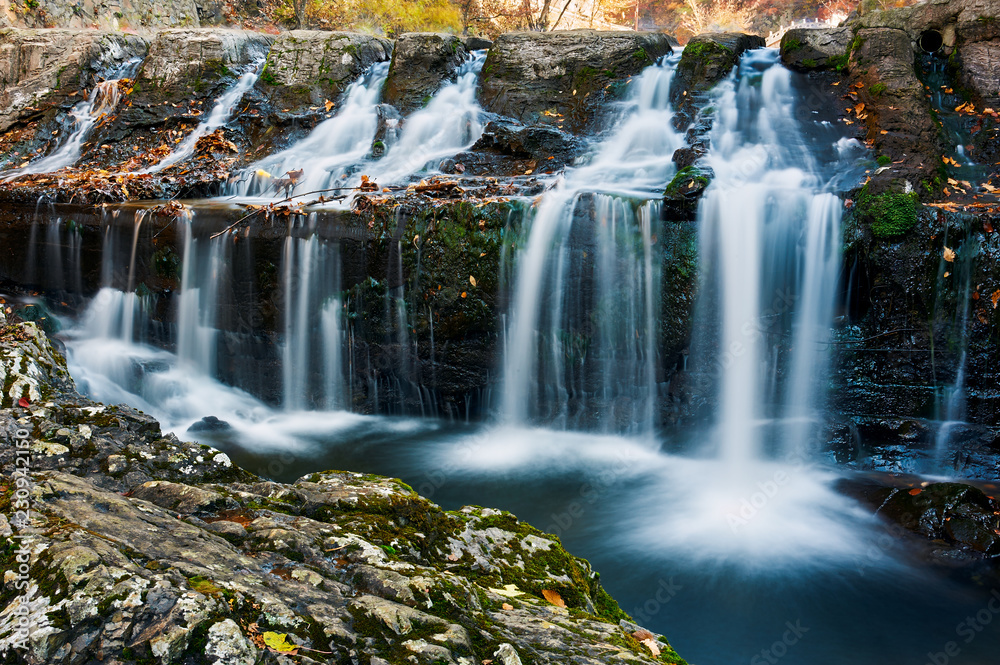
[[184, 62], [308, 67], [421, 63], [134, 14], [208, 563], [706, 60], [46, 67], [564, 78], [805, 49]]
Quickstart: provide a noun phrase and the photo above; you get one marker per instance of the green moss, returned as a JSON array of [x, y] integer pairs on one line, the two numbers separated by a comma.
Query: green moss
[[810, 63], [205, 586], [890, 214], [641, 55], [878, 89], [704, 49], [884, 160], [791, 45], [267, 75], [838, 62], [680, 183]]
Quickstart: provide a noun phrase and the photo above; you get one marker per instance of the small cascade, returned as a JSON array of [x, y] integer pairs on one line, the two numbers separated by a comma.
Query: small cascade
[[331, 149], [60, 268], [583, 328], [203, 273], [446, 126], [951, 402], [770, 257], [313, 320], [102, 101], [218, 117]]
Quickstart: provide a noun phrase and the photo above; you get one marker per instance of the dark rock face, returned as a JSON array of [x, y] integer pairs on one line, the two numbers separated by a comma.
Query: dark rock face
[[208, 563], [805, 49], [421, 63], [563, 78], [957, 514], [532, 146], [706, 60]]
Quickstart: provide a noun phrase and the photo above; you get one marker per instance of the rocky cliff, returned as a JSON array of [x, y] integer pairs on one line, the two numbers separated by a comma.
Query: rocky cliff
[[141, 548]]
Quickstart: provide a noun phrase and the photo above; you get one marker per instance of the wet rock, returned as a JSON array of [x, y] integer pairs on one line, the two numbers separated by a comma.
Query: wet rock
[[210, 424], [47, 66], [477, 44], [805, 49], [681, 196], [980, 62], [309, 67], [564, 78], [544, 144], [421, 63], [954, 512], [355, 566], [203, 62], [389, 126], [706, 60]]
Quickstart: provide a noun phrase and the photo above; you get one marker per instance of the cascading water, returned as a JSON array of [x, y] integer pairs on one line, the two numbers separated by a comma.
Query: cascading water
[[202, 275], [447, 125], [770, 255], [218, 117], [571, 353], [332, 147], [313, 320], [102, 101]]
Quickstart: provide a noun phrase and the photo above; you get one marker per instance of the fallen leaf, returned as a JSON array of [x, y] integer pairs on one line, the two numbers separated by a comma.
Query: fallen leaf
[[24, 403], [915, 491], [464, 294], [279, 642], [553, 598], [507, 606], [995, 298], [949, 255], [643, 634], [508, 590], [472, 280], [261, 173], [652, 646], [328, 105]]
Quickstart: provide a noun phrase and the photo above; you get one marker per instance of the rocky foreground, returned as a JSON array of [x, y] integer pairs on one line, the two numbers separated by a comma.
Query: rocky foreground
[[140, 548]]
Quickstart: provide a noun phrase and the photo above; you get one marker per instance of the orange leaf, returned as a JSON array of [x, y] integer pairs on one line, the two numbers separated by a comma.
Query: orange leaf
[[995, 298], [915, 491], [507, 606], [553, 598]]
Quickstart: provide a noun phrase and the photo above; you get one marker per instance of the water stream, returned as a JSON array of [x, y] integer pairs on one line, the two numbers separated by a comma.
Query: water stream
[[724, 539]]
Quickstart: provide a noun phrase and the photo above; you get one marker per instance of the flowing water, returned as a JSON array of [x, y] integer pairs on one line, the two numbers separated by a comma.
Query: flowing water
[[101, 102], [217, 118], [733, 541], [338, 151]]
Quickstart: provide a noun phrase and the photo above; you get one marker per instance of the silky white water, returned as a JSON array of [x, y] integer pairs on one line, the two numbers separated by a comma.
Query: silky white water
[[101, 102], [549, 333], [217, 117], [330, 149]]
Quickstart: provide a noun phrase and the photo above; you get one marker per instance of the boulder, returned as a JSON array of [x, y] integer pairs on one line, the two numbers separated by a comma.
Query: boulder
[[564, 78], [542, 143], [979, 64], [707, 59], [421, 63], [85, 14], [896, 113], [202, 63], [804, 49], [681, 196], [50, 65], [308, 67]]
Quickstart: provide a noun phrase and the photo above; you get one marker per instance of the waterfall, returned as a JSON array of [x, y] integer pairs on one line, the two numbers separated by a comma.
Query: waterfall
[[769, 238], [312, 371], [218, 117], [102, 101], [202, 276], [330, 149], [446, 126], [583, 328]]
